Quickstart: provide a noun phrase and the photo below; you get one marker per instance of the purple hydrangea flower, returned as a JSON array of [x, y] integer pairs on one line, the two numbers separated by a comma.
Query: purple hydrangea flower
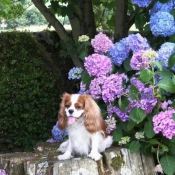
[[119, 52], [95, 88], [137, 83], [142, 3], [58, 134], [3, 172], [75, 73], [110, 124], [164, 123], [83, 89], [137, 61], [162, 24], [112, 87], [101, 43], [165, 104], [136, 42], [98, 65], [164, 53], [164, 7]]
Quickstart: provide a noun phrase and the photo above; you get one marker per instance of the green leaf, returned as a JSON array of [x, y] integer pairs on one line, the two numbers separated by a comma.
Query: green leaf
[[172, 12], [167, 85], [86, 79], [123, 103], [137, 114], [140, 20], [173, 79], [163, 1], [167, 163], [117, 134], [146, 75], [127, 64], [148, 129], [131, 125], [134, 93], [172, 38], [154, 142], [174, 117], [165, 73], [164, 148], [158, 64], [171, 61], [134, 146]]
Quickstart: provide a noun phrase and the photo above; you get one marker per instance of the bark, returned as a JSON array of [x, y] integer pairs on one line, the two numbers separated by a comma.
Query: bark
[[121, 21], [63, 34]]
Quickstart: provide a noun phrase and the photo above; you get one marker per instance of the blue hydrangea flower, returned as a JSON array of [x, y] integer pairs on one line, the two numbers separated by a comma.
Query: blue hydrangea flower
[[164, 53], [142, 3], [75, 73], [162, 24], [136, 42], [119, 52], [164, 7], [58, 134]]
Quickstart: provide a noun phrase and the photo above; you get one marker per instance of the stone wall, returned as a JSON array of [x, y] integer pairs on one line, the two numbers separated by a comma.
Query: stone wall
[[43, 161]]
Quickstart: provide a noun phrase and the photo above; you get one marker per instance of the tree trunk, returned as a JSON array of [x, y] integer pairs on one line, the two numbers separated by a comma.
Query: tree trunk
[[121, 20], [63, 34]]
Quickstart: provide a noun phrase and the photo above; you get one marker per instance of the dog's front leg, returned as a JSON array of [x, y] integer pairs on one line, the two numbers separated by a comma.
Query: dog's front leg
[[95, 141], [68, 152]]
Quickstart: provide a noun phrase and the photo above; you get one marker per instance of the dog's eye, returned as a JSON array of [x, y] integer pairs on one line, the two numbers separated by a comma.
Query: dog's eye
[[78, 107], [67, 106]]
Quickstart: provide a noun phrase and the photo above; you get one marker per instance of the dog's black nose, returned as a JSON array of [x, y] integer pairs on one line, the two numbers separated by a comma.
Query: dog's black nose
[[70, 111]]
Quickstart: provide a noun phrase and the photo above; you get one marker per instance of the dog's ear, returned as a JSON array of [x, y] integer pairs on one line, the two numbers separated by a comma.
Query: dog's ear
[[93, 118], [62, 118]]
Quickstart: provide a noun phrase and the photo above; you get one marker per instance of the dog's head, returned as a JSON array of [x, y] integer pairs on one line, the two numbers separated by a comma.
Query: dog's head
[[75, 106]]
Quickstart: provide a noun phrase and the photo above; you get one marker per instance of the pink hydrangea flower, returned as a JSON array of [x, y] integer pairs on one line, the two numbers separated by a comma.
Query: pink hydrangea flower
[[101, 43], [97, 65]]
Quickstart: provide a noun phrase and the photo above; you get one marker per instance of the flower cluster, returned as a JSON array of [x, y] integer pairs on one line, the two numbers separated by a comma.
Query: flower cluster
[[142, 3], [162, 24], [164, 53], [82, 88], [139, 135], [124, 140], [137, 61], [95, 87], [83, 38], [119, 52], [75, 73], [58, 134], [112, 87], [164, 7], [136, 42], [97, 64], [164, 123], [3, 172], [101, 43], [110, 124], [165, 104]]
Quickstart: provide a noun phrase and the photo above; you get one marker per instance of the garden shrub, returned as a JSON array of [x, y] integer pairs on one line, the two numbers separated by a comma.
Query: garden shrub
[[28, 92]]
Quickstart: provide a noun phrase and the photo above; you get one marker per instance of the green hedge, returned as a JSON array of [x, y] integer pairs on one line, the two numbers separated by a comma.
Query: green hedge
[[28, 92]]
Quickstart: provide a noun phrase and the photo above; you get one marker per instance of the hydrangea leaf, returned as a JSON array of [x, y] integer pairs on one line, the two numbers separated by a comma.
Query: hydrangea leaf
[[117, 134], [163, 1], [127, 64], [172, 38], [140, 20], [158, 64], [164, 148], [148, 129], [86, 79], [137, 114], [134, 93], [134, 146], [173, 79], [123, 103], [167, 163], [165, 73], [167, 85], [174, 117], [154, 142], [146, 75], [172, 12], [171, 61], [131, 125]]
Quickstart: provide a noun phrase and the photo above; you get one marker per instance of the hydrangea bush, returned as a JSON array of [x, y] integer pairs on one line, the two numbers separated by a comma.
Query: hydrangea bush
[[135, 87]]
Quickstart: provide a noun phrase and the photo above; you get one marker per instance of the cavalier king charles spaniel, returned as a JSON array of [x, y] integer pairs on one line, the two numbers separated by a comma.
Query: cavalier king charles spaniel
[[82, 118]]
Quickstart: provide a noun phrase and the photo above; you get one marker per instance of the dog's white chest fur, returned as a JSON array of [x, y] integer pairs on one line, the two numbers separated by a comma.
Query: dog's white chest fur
[[80, 137]]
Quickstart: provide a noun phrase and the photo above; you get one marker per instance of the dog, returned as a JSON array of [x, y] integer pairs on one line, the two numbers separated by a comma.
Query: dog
[[82, 118]]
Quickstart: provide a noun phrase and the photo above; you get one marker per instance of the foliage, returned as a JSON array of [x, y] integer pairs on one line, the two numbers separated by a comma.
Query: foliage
[[139, 91], [28, 92]]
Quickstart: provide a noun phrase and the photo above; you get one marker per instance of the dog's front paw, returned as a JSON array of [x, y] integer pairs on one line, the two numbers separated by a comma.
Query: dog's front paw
[[64, 156], [95, 155]]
